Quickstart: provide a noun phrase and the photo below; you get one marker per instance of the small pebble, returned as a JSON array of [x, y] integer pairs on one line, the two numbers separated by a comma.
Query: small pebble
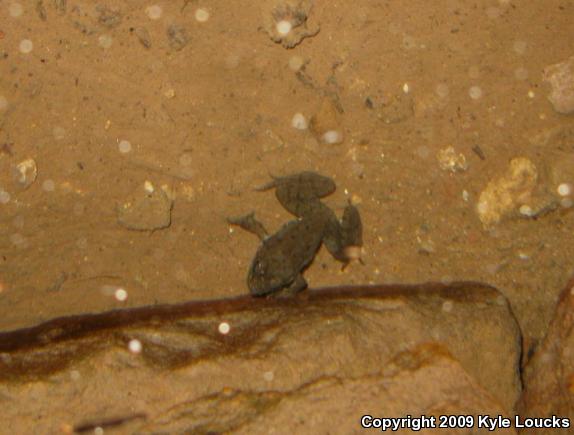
[[224, 328], [154, 12], [283, 27], [268, 376], [121, 294], [105, 41], [75, 375], [201, 15], [49, 185], [26, 46], [531, 94], [299, 122], [566, 202], [475, 92], [15, 10], [296, 63], [3, 103], [526, 210], [99, 430], [135, 346], [332, 137], [124, 146], [4, 197], [406, 88], [447, 306]]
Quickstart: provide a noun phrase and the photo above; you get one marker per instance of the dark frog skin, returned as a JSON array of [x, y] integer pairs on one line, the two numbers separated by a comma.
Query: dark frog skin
[[278, 266]]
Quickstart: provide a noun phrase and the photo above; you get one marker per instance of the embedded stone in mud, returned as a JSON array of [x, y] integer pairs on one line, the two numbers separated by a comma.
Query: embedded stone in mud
[[286, 21], [561, 79], [148, 208]]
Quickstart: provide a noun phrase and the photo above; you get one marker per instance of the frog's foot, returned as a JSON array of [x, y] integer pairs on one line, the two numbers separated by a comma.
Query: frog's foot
[[295, 287], [344, 240], [249, 223]]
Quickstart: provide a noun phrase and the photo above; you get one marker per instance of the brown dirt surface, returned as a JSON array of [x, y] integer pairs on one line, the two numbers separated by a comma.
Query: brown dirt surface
[[207, 109]]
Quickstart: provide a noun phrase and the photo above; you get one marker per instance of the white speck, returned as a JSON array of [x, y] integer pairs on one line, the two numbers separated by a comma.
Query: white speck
[[296, 63], [482, 207], [105, 41], [564, 189], [299, 122], [283, 27], [99, 431], [531, 94], [465, 196], [148, 186], [526, 210], [493, 12], [135, 346], [124, 146], [521, 73], [154, 12], [75, 375], [202, 15], [268, 376], [15, 10], [523, 256], [442, 90], [406, 88], [224, 328], [519, 47], [3, 102], [59, 133], [447, 306], [475, 92], [26, 46], [121, 294], [332, 137], [49, 185], [4, 197]]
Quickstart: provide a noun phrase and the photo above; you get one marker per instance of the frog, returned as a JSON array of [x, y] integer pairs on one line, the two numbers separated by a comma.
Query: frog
[[278, 266]]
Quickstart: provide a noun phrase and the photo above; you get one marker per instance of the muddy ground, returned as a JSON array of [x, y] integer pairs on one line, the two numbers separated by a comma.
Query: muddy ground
[[207, 109]]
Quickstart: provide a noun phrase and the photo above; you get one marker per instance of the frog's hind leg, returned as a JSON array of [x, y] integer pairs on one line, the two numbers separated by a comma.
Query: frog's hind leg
[[249, 223]]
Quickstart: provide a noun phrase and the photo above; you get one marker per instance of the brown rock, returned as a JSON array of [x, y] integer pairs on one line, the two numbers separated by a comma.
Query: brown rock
[[549, 375], [321, 360], [561, 79], [148, 208]]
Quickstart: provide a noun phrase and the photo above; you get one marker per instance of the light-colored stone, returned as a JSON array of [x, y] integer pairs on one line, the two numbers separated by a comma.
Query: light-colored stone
[[379, 350], [148, 208], [561, 79]]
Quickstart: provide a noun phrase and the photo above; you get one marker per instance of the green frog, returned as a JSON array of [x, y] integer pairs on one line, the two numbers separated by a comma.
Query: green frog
[[278, 266]]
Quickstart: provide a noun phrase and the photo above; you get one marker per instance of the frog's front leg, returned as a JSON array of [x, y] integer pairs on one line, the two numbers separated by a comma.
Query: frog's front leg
[[249, 223], [298, 285]]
